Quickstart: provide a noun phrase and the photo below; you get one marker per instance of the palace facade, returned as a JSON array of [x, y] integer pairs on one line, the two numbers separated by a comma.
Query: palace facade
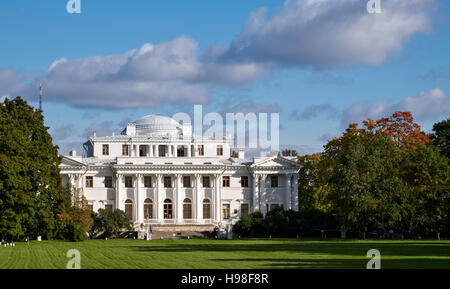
[[158, 172]]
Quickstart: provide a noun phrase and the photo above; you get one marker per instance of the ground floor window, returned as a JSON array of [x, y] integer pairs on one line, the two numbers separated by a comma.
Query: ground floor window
[[168, 210], [206, 209], [129, 208], [187, 209], [108, 207], [226, 211], [148, 209], [244, 209]]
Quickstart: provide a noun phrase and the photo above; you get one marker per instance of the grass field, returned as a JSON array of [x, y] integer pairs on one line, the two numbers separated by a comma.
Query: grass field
[[227, 254]]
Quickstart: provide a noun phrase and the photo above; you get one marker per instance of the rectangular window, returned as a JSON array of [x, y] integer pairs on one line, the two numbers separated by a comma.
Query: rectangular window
[[89, 182], [220, 150], [147, 181], [244, 209], [186, 181], [206, 209], [274, 206], [108, 182], [108, 207], [206, 183], [167, 182], [124, 150], [128, 181], [274, 181], [105, 150], [201, 150], [225, 211], [244, 181], [225, 181]]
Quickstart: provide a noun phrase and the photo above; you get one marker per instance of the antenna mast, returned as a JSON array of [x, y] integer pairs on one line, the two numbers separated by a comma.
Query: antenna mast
[[40, 96]]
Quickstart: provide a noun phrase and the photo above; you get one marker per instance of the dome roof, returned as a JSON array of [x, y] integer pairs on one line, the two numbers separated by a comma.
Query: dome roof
[[154, 123]]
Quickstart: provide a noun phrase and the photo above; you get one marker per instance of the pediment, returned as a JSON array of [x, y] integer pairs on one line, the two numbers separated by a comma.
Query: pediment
[[277, 162], [70, 162]]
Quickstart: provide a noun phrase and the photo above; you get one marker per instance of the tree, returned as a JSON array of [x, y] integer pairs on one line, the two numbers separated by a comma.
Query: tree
[[289, 153], [313, 183], [441, 136], [400, 127], [78, 209], [427, 173], [31, 195], [365, 186], [111, 222]]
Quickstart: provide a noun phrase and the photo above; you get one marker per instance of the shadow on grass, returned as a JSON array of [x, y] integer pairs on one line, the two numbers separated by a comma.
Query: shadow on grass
[[407, 249]]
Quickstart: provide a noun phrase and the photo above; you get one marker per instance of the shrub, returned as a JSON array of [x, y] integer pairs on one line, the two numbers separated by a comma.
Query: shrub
[[76, 233]]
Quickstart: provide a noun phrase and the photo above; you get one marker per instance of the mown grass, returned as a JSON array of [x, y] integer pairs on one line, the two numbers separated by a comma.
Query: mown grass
[[228, 254]]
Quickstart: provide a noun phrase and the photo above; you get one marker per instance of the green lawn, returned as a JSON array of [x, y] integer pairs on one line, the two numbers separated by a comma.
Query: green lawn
[[241, 254]]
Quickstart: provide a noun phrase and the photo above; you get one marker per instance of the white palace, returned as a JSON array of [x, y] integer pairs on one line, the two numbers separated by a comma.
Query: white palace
[[159, 173]]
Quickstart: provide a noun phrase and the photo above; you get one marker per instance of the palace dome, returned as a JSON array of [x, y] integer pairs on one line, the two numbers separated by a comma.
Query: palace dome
[[157, 124]]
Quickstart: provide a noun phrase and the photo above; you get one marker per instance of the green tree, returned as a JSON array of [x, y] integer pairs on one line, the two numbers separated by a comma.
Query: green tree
[[441, 136], [31, 195], [427, 173], [366, 188], [313, 183], [111, 222]]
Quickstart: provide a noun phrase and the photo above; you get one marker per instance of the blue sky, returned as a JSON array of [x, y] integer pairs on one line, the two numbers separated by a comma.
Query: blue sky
[[321, 64]]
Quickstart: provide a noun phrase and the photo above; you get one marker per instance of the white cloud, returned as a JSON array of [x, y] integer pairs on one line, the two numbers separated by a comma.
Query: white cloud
[[427, 105], [303, 33], [330, 33]]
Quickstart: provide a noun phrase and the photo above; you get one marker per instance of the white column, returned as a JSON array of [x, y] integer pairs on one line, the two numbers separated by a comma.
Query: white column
[[288, 201], [139, 207], [189, 150], [199, 199], [159, 201], [118, 194], [255, 199], [262, 194], [150, 150], [157, 150], [178, 202], [218, 198], [294, 197]]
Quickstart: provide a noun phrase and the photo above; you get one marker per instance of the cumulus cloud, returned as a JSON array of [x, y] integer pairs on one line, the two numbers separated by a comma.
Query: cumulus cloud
[[166, 73], [427, 105], [321, 34], [330, 33]]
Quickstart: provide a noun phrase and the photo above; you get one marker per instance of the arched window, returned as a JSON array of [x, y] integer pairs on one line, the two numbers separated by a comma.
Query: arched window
[[129, 208], [187, 209], [168, 209], [148, 209], [206, 209]]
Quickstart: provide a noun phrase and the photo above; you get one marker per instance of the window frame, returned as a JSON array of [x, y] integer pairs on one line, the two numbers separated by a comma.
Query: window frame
[[208, 182], [147, 185], [106, 183], [226, 214], [105, 152], [274, 181], [219, 150], [226, 180], [167, 182], [126, 148], [128, 182], [89, 182], [244, 181]]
